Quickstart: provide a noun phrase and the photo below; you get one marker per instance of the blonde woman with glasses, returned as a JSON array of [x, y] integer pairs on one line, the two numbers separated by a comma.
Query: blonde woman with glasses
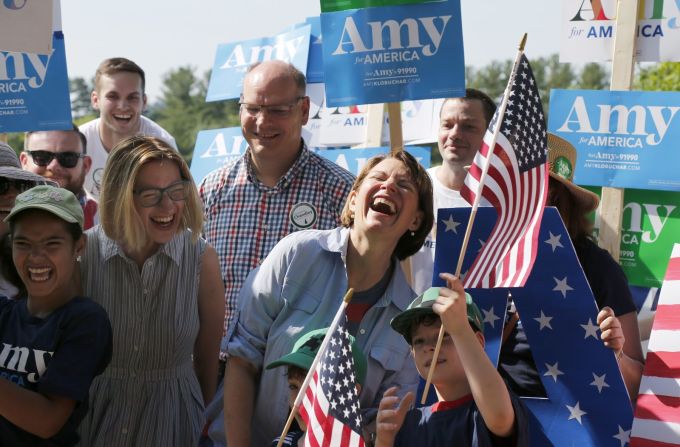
[[160, 284]]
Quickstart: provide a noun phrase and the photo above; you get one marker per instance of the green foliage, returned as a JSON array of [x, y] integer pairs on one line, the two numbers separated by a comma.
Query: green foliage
[[549, 74], [593, 77], [81, 105], [660, 77], [183, 112]]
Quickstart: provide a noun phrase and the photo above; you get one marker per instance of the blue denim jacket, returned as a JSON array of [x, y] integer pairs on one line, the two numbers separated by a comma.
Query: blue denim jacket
[[299, 287]]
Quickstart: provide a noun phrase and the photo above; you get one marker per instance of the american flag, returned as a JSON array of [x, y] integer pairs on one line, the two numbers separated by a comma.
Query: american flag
[[515, 184], [330, 407], [587, 404], [657, 414]]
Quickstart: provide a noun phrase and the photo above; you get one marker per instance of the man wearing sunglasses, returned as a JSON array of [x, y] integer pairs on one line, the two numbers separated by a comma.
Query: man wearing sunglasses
[[61, 156]]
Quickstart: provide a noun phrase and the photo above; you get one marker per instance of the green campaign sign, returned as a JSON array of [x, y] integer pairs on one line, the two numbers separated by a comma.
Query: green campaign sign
[[649, 228], [342, 5]]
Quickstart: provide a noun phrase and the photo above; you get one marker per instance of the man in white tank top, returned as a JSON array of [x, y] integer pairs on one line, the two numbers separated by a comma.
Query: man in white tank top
[[120, 99]]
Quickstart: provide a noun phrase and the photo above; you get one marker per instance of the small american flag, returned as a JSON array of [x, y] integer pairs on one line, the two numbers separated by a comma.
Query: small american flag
[[657, 417], [515, 184], [330, 407]]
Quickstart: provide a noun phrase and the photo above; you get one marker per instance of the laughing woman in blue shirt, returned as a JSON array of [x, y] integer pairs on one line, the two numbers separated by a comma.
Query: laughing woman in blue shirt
[[300, 285]]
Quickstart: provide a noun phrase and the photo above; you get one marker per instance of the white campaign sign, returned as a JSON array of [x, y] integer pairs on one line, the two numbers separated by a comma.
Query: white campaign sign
[[26, 26], [346, 125], [588, 30]]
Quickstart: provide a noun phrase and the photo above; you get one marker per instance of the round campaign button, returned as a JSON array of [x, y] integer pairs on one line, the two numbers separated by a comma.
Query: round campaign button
[[303, 215]]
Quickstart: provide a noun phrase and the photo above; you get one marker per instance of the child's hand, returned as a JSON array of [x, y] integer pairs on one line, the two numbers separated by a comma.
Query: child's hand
[[389, 418], [611, 331], [451, 306]]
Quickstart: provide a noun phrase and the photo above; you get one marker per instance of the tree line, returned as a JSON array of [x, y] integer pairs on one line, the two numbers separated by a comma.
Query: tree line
[[183, 112]]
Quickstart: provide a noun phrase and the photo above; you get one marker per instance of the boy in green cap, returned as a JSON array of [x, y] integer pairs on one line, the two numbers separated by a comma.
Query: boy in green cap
[[475, 407], [298, 362], [53, 341]]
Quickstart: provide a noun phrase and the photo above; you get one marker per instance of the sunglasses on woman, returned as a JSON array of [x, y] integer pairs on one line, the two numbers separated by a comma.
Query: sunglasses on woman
[[65, 159], [19, 185]]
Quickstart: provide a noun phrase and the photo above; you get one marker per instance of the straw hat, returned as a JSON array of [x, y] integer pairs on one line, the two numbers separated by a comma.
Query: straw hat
[[561, 162], [10, 166]]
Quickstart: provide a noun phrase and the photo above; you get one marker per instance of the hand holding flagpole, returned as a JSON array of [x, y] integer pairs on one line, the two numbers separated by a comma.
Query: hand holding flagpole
[[475, 206]]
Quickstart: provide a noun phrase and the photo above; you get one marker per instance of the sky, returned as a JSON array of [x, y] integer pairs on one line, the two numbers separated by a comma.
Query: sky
[[161, 35]]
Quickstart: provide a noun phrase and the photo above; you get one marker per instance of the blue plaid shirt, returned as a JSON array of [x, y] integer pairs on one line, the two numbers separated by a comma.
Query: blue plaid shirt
[[245, 218]]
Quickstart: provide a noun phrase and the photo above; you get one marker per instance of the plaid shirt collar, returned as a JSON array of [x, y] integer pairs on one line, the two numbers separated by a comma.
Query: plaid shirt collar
[[286, 178], [173, 249]]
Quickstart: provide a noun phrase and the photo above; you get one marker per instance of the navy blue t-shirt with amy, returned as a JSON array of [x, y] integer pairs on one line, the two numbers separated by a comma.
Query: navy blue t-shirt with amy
[[610, 288], [458, 423], [57, 355]]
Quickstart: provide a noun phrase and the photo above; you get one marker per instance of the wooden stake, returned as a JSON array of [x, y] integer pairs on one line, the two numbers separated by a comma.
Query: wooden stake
[[611, 206], [375, 116], [396, 135]]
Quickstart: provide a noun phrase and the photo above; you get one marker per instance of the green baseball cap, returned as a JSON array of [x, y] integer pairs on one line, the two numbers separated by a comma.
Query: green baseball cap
[[422, 306], [58, 201], [306, 347]]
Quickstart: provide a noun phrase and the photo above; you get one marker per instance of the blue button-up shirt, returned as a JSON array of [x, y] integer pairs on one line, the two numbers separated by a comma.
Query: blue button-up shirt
[[298, 288]]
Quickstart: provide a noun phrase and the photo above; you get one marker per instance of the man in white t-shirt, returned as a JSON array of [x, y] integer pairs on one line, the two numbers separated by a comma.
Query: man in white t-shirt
[[463, 122], [119, 96]]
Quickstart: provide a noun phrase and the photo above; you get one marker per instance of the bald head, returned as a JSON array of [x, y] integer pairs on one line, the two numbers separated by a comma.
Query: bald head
[[275, 71]]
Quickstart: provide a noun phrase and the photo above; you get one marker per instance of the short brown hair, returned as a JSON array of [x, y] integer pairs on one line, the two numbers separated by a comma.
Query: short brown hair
[[74, 129], [119, 218], [407, 245], [117, 65], [488, 106]]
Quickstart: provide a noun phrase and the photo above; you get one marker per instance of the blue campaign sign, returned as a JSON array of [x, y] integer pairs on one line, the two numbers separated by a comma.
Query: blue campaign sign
[[214, 148], [622, 139], [34, 90], [587, 403], [389, 54], [315, 62], [233, 59], [354, 159]]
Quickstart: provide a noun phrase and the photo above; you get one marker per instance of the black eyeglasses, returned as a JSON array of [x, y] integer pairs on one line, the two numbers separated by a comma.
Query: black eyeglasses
[[19, 185], [149, 197], [66, 159], [275, 110]]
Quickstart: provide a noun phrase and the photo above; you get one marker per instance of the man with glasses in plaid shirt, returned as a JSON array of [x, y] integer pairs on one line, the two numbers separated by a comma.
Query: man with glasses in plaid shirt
[[61, 156], [277, 187]]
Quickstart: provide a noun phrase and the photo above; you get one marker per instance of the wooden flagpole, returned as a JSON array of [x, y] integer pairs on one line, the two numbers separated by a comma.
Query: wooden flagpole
[[310, 372], [475, 206], [374, 124], [611, 206], [396, 135]]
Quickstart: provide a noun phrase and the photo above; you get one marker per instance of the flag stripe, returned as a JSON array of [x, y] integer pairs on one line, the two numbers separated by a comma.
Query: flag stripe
[[657, 431], [657, 412], [670, 292], [649, 406], [667, 317], [660, 385], [673, 270], [663, 364], [664, 341], [639, 442]]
